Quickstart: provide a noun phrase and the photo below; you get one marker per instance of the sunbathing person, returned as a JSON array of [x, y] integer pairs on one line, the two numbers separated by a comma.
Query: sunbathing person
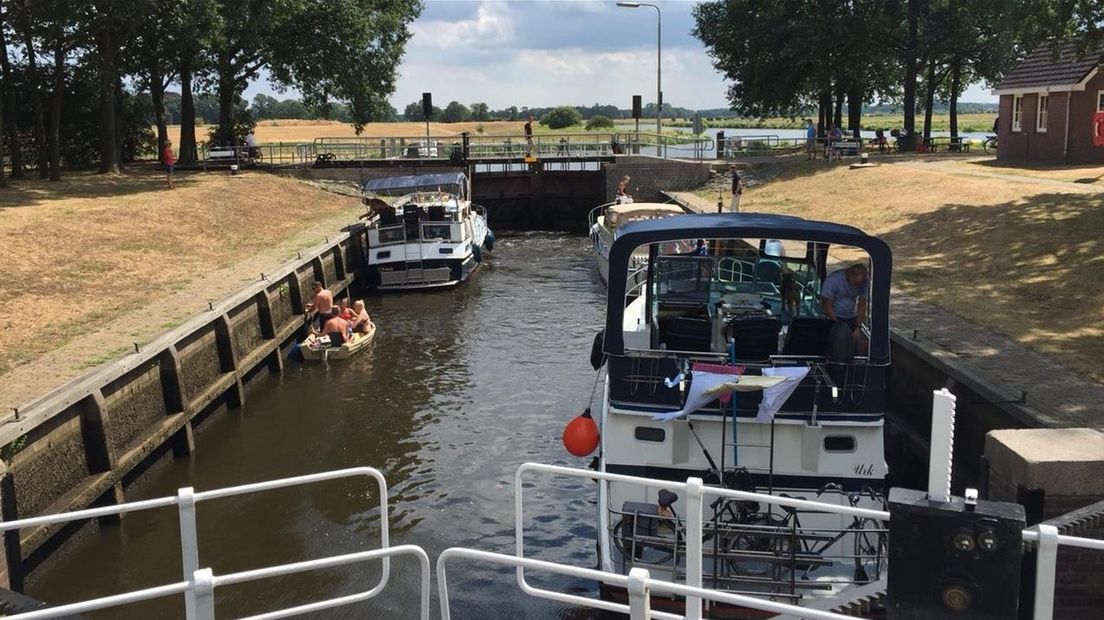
[[336, 328], [361, 322]]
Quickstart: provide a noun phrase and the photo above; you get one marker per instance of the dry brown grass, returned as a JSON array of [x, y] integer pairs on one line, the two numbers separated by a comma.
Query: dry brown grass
[[80, 254], [1018, 254], [307, 130]]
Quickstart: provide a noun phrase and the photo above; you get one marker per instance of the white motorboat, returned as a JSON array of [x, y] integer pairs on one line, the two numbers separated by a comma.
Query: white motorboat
[[742, 315], [606, 219], [318, 348], [423, 231]]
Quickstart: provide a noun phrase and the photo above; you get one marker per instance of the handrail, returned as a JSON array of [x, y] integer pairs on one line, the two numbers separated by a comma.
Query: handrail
[[638, 584], [186, 499], [202, 583]]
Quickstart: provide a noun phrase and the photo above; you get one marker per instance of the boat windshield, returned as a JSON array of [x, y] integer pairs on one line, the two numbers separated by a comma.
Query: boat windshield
[[698, 295]]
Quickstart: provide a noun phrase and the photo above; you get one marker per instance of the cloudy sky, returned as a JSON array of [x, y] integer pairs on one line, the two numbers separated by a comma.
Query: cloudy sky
[[546, 52]]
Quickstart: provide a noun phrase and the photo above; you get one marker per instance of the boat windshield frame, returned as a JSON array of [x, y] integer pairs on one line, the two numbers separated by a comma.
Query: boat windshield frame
[[454, 184], [742, 226]]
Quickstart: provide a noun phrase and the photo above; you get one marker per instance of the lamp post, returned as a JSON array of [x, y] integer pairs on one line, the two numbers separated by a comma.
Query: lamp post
[[659, 62]]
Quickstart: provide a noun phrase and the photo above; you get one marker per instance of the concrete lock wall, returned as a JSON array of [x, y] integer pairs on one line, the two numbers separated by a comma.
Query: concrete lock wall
[[83, 443], [651, 175]]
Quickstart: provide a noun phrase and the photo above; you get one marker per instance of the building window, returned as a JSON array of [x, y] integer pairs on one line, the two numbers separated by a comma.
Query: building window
[[1041, 114], [1017, 111], [1100, 101]]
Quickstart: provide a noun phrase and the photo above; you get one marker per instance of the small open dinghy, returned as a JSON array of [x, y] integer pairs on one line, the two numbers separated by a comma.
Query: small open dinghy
[[318, 347]]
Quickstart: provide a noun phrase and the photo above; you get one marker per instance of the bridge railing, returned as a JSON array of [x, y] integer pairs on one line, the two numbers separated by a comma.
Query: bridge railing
[[199, 582]]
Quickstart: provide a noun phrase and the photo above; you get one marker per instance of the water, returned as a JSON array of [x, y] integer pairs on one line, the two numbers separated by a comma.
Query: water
[[459, 388], [780, 134]]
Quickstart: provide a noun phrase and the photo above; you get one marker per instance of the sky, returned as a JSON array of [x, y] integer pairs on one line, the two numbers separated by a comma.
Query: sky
[[540, 53]]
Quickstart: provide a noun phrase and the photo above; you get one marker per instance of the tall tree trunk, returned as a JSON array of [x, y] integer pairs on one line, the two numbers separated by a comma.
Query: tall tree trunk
[[187, 153], [227, 93], [837, 117], [125, 156], [929, 99], [53, 134], [3, 178], [157, 95], [956, 84], [854, 110], [11, 102], [108, 78], [911, 70], [36, 103], [825, 101]]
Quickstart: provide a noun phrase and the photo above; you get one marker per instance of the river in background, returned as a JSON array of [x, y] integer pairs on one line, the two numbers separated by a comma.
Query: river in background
[[460, 388]]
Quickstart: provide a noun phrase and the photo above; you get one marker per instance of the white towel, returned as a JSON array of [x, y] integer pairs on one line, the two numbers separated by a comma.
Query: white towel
[[705, 387], [777, 395]]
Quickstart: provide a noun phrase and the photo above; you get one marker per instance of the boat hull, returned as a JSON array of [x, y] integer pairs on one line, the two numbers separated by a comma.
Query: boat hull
[[358, 343]]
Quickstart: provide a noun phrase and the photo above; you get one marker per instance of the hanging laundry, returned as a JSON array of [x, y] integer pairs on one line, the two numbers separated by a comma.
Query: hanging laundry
[[709, 382], [775, 396]]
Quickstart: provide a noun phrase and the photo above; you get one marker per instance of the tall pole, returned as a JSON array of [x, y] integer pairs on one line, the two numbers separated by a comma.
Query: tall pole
[[659, 71]]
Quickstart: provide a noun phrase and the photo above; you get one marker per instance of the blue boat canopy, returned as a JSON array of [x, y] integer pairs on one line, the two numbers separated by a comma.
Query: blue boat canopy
[[756, 226], [393, 186]]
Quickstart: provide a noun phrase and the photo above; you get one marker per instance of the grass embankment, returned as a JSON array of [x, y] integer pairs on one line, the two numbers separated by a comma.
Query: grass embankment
[[1018, 251], [122, 252]]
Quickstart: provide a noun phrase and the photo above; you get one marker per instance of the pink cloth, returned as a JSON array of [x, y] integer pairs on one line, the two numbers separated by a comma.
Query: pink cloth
[[720, 369]]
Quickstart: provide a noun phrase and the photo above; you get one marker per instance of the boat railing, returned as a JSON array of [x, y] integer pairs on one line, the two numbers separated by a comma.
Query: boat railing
[[198, 585]]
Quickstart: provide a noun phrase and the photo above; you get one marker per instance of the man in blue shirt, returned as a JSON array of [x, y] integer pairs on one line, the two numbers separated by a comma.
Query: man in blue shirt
[[810, 139], [844, 296]]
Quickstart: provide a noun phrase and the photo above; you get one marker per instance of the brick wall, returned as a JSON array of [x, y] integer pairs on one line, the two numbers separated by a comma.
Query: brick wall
[[1079, 582]]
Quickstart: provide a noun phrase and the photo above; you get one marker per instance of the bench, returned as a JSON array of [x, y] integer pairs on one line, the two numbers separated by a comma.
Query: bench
[[844, 147]]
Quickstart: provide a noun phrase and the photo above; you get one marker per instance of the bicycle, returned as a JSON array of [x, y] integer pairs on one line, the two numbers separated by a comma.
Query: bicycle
[[990, 144]]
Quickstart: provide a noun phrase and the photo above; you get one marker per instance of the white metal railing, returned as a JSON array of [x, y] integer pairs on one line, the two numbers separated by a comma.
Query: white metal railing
[[186, 500], [638, 584], [201, 587]]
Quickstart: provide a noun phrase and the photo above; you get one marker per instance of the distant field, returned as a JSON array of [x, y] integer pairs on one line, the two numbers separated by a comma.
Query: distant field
[[307, 130]]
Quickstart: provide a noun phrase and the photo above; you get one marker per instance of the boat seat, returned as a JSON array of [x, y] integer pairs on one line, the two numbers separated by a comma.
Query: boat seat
[[808, 336], [684, 333], [756, 339]]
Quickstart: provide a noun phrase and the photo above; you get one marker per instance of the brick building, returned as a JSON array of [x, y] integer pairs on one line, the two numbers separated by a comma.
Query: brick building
[[1047, 107]]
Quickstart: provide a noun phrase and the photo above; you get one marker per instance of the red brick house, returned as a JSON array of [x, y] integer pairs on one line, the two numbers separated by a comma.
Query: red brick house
[[1047, 106]]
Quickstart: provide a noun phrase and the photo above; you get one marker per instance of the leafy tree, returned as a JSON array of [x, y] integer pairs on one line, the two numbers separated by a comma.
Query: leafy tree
[[480, 112], [413, 112], [599, 122], [561, 117], [456, 112]]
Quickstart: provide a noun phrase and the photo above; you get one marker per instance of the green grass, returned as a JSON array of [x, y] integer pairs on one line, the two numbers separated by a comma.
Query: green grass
[[104, 357]]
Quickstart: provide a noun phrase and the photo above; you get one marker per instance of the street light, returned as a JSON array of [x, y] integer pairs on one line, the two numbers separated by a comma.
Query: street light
[[659, 61]]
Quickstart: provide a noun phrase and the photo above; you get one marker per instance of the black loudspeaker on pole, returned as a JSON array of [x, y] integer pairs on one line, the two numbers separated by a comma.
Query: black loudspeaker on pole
[[427, 105], [637, 107]]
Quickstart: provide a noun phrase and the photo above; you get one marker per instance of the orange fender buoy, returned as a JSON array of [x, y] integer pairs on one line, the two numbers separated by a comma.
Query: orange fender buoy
[[580, 436]]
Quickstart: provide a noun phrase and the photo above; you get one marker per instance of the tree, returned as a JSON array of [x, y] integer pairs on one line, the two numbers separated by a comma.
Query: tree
[[346, 50], [599, 121], [561, 117], [414, 113], [480, 112], [456, 112]]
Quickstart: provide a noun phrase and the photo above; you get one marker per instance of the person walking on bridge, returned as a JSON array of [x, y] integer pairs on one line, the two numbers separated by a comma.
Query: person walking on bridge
[[529, 131]]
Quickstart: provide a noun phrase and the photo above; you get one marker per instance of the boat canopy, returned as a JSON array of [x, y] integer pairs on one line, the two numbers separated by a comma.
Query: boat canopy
[[619, 215], [745, 226], [398, 186]]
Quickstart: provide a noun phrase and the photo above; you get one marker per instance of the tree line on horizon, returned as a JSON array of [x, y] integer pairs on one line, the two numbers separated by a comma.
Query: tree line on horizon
[[787, 57], [80, 79]]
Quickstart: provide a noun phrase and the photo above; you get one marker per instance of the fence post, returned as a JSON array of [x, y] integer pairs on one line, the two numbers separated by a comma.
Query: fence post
[[1046, 565], [203, 593], [694, 518], [640, 603], [189, 545]]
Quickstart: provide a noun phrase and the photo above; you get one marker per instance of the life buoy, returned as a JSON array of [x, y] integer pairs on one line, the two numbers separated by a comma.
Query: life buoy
[[1098, 129]]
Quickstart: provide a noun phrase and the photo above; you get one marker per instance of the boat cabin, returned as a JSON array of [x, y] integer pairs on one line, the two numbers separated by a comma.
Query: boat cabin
[[749, 294], [418, 208]]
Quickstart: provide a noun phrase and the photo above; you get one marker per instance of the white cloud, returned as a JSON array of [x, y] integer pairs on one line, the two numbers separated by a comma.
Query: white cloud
[[491, 26]]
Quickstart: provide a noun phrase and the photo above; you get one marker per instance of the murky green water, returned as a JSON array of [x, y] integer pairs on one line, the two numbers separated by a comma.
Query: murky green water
[[459, 389]]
